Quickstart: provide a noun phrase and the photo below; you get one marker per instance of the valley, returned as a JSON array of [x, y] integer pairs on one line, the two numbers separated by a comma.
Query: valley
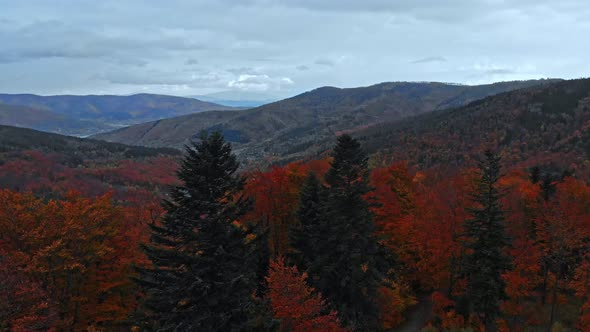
[[295, 127]]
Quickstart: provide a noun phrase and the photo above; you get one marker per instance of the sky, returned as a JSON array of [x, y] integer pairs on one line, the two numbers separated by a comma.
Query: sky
[[277, 48]]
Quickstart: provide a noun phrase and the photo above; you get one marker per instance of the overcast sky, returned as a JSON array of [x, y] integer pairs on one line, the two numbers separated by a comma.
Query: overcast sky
[[282, 47]]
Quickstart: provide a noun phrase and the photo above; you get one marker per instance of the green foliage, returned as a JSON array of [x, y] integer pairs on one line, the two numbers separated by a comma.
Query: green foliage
[[203, 273], [348, 264], [486, 241], [306, 237]]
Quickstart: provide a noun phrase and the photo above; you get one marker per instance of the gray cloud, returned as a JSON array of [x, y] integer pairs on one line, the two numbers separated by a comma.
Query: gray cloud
[[324, 62], [430, 59], [191, 61], [500, 71], [283, 46], [259, 83]]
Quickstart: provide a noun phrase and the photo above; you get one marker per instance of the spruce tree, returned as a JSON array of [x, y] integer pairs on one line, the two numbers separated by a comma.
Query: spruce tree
[[486, 240], [305, 238], [202, 277], [349, 264]]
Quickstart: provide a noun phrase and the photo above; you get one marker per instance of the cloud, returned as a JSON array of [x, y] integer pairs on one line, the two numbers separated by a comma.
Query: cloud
[[430, 60], [56, 39], [243, 70], [191, 61], [259, 83], [204, 46], [324, 62], [499, 71]]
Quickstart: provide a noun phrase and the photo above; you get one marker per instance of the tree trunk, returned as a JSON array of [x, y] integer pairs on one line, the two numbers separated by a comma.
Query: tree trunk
[[489, 323], [451, 278], [553, 303], [544, 286]]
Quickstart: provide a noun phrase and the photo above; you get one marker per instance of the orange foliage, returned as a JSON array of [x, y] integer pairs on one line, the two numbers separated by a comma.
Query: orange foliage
[[76, 250], [295, 303], [393, 302], [276, 199]]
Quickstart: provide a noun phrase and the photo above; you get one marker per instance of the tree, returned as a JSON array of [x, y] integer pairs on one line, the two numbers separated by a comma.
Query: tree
[[295, 303], [350, 264], [486, 242], [202, 276], [306, 237], [61, 262], [563, 230], [275, 194], [24, 305]]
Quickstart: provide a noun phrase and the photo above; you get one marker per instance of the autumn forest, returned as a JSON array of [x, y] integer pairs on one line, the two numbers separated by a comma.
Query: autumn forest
[[295, 166], [339, 243]]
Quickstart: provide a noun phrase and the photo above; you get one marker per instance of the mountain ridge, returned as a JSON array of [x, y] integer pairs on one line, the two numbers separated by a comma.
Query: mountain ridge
[[291, 128], [545, 124], [89, 114]]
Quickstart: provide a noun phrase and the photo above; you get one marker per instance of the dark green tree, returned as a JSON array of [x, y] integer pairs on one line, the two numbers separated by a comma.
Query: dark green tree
[[307, 235], [349, 264], [203, 269], [485, 242]]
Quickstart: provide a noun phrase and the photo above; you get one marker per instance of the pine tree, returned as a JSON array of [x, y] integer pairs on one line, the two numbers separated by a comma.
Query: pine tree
[[486, 240], [305, 237], [202, 278], [350, 264]]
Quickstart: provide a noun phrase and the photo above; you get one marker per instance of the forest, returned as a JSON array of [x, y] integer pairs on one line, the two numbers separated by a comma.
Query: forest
[[342, 243]]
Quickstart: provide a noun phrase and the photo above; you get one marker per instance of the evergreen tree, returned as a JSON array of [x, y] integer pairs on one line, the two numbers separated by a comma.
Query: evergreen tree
[[349, 263], [305, 237], [262, 250], [202, 278], [486, 240]]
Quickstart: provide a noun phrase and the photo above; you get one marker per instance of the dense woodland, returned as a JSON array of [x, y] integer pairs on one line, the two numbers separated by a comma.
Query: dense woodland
[[344, 243], [468, 219]]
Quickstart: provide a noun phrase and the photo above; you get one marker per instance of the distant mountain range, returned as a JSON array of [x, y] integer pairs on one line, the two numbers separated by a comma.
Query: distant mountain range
[[299, 126], [240, 98], [546, 124], [86, 115]]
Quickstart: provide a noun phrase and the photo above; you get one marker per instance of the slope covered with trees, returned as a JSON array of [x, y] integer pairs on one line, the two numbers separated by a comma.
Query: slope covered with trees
[[50, 165], [295, 127], [545, 124]]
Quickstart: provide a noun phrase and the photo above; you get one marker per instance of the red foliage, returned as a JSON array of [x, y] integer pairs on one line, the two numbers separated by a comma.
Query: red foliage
[[75, 255], [276, 199], [295, 303]]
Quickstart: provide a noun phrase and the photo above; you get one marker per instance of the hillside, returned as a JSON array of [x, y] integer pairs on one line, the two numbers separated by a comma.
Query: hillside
[[85, 115], [291, 128], [13, 139], [548, 124], [45, 120], [49, 165]]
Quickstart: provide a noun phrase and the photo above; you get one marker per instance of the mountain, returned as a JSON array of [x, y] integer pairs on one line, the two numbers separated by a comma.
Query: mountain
[[547, 124], [15, 139], [45, 120], [85, 115], [240, 98], [292, 128]]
